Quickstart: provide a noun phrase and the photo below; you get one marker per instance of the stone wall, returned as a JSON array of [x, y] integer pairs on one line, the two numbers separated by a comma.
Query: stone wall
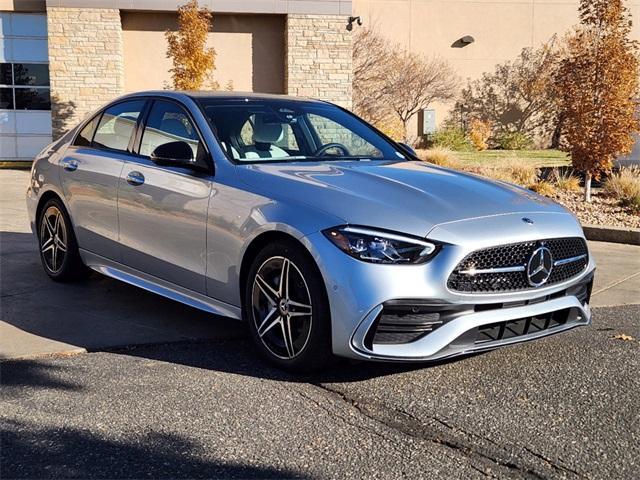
[[318, 61], [86, 62]]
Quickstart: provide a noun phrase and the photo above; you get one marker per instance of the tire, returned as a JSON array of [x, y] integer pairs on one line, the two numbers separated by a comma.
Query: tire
[[57, 244], [291, 331]]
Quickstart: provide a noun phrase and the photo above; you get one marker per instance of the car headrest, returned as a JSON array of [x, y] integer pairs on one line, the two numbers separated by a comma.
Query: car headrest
[[266, 132], [174, 127], [123, 126]]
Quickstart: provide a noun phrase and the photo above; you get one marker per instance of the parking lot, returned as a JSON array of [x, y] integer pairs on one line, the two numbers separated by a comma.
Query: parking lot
[[102, 380]]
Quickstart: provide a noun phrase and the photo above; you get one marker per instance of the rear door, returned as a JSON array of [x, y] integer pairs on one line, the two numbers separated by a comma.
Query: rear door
[[162, 210], [90, 175]]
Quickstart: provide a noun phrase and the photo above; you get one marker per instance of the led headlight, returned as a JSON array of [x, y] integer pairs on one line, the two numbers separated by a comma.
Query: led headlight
[[381, 247]]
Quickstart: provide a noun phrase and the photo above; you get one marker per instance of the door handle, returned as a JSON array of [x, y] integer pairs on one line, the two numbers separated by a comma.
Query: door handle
[[70, 165], [135, 178]]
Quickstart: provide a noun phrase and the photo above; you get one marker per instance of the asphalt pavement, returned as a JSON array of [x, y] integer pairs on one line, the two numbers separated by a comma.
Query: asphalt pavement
[[562, 407]]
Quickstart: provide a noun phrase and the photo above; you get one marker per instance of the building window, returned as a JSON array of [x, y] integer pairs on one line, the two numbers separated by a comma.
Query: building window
[[24, 86]]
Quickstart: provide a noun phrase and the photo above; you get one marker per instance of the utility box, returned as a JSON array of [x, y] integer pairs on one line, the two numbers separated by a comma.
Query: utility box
[[428, 121]]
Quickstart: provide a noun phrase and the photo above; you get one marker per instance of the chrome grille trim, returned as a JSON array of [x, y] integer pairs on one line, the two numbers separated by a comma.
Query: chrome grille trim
[[503, 268], [565, 261], [519, 268]]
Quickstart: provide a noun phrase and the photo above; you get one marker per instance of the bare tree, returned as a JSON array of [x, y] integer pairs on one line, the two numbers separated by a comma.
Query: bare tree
[[518, 96], [391, 80], [372, 55], [414, 82]]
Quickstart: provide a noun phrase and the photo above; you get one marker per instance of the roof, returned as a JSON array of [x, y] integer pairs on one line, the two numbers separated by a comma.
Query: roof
[[224, 95]]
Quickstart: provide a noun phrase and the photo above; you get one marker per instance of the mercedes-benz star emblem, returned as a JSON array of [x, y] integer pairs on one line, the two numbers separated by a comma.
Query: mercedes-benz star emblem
[[539, 267]]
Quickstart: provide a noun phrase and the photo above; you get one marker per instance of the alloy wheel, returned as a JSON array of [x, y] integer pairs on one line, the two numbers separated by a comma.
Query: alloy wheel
[[53, 239], [281, 306]]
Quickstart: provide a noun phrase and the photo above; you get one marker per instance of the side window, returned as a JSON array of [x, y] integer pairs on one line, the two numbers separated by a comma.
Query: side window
[[168, 122], [117, 125], [86, 134]]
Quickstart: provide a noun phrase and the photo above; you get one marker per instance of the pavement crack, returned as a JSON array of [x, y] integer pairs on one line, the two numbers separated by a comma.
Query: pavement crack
[[334, 414], [483, 454], [553, 464]]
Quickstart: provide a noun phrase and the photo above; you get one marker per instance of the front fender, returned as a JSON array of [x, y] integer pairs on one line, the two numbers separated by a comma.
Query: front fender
[[237, 217]]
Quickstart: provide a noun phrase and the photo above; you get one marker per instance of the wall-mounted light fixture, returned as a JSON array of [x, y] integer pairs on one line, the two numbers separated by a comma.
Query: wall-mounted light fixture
[[463, 42], [358, 20]]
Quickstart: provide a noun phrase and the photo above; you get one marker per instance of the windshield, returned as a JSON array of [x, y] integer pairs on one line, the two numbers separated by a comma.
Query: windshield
[[280, 130]]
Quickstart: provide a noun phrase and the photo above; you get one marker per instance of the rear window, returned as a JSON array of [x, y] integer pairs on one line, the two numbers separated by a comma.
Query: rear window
[[117, 124], [85, 136]]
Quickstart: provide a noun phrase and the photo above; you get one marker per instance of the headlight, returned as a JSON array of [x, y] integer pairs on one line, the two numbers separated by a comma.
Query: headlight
[[381, 247]]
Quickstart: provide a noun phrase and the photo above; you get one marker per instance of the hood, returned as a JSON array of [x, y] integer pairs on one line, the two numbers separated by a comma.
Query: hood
[[409, 197]]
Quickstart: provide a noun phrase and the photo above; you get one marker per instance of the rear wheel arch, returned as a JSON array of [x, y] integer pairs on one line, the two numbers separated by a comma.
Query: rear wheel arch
[[44, 198], [71, 267]]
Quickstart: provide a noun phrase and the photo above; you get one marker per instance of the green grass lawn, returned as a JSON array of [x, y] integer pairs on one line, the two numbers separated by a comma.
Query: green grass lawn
[[539, 158]]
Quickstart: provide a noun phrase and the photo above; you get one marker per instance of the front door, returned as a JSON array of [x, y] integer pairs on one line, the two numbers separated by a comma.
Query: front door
[[90, 174], [162, 210]]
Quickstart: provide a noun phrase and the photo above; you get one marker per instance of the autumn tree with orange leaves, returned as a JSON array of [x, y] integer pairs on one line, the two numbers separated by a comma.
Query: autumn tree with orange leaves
[[598, 88], [193, 62]]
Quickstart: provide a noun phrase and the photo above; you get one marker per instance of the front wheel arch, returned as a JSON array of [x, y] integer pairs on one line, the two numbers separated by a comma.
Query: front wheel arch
[[257, 244], [318, 352]]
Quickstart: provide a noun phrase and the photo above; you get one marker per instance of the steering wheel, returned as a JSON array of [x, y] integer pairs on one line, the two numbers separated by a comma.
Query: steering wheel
[[323, 149]]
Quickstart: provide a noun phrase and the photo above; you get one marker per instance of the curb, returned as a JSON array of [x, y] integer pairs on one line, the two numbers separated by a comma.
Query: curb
[[629, 236]]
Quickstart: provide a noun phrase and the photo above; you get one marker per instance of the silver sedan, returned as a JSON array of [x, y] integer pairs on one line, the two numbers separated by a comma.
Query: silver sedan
[[325, 236]]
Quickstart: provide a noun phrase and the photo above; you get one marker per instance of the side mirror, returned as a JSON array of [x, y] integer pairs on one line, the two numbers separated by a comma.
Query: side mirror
[[408, 149], [173, 154]]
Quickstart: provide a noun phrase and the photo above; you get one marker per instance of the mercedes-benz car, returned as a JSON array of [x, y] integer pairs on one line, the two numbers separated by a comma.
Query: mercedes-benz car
[[325, 236]]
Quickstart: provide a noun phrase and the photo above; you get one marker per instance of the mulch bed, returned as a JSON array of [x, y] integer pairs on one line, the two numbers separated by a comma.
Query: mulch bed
[[603, 210]]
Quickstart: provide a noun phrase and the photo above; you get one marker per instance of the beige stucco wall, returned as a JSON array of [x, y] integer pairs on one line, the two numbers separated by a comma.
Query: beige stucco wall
[[23, 5], [501, 28], [250, 50]]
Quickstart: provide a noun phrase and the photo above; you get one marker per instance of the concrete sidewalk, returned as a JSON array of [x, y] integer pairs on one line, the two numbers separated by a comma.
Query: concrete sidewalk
[[38, 316]]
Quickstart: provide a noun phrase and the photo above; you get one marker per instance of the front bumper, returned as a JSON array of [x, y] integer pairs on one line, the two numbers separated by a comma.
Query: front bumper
[[360, 292], [477, 330]]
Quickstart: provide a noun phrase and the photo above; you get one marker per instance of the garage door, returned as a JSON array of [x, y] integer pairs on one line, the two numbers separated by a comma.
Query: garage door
[[25, 103]]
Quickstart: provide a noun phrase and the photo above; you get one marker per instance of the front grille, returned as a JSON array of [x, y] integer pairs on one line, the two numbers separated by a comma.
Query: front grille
[[523, 326], [469, 278]]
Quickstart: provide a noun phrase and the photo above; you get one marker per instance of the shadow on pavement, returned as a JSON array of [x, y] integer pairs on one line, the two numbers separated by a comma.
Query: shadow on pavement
[[32, 451], [239, 357], [95, 313], [105, 314], [32, 373]]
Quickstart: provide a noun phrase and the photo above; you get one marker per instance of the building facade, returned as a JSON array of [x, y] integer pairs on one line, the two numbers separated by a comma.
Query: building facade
[[500, 29], [62, 59]]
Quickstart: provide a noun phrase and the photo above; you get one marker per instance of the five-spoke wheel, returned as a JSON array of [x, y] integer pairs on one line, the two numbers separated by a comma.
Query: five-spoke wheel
[[287, 309], [281, 306], [53, 239], [58, 247]]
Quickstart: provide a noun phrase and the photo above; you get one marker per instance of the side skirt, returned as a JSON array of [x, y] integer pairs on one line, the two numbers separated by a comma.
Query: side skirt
[[161, 287]]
